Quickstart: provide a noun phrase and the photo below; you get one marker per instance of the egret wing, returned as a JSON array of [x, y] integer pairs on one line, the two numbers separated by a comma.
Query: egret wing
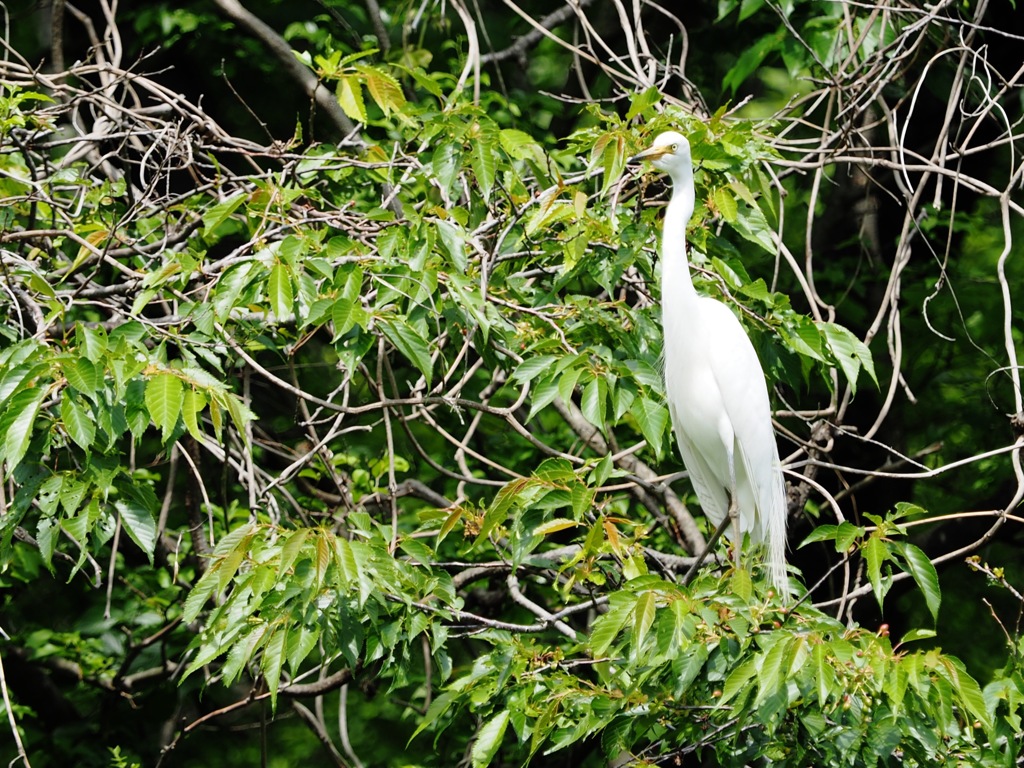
[[712, 496], [745, 396]]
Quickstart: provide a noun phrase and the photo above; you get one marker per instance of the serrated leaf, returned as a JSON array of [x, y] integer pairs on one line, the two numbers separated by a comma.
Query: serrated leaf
[[850, 352], [291, 549], [46, 539], [139, 524], [608, 627], [553, 526], [449, 523], [643, 617], [453, 238], [239, 413], [350, 98], [920, 567], [18, 423], [198, 596], [410, 343], [279, 287], [737, 681], [582, 499], [228, 566], [273, 661], [531, 367], [488, 740], [483, 157], [164, 393], [772, 673], [346, 313], [753, 226], [821, 533], [594, 402], [347, 560], [875, 554], [83, 375], [567, 383], [77, 422], [726, 204], [219, 213], [542, 395], [915, 635], [446, 164], [520, 145], [846, 534], [384, 89], [610, 151], [825, 675], [192, 404], [643, 101], [652, 420]]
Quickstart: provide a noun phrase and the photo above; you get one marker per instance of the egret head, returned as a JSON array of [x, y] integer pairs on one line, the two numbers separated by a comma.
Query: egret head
[[670, 152]]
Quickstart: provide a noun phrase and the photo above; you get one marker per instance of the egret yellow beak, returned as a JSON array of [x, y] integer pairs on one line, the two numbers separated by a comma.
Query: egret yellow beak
[[651, 153]]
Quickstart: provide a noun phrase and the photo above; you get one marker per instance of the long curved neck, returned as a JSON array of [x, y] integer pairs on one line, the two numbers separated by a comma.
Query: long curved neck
[[675, 271]]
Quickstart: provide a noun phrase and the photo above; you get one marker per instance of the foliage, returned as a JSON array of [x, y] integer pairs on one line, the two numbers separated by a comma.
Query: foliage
[[364, 432]]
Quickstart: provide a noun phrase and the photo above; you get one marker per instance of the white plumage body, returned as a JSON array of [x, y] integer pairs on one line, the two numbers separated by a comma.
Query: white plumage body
[[715, 386]]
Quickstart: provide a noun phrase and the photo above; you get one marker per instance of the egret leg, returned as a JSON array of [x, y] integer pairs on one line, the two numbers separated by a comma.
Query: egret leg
[[734, 512], [707, 548], [737, 535]]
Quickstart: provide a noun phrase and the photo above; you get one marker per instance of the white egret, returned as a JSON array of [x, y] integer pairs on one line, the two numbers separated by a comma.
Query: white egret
[[715, 386]]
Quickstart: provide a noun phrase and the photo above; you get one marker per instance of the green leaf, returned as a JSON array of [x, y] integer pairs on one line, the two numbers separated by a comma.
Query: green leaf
[[350, 97], [821, 533], [607, 627], [346, 313], [652, 419], [46, 539], [875, 553], [139, 524], [83, 375], [279, 286], [520, 145], [751, 59], [453, 238], [192, 404], [483, 156], [77, 421], [446, 164], [554, 526], [610, 154], [273, 660], [850, 352], [594, 401], [737, 681], [198, 596], [410, 343], [18, 422], [846, 534], [220, 212], [920, 567], [384, 89], [726, 204], [488, 740], [530, 368], [916, 635], [752, 225], [163, 401], [771, 676], [643, 617], [643, 101]]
